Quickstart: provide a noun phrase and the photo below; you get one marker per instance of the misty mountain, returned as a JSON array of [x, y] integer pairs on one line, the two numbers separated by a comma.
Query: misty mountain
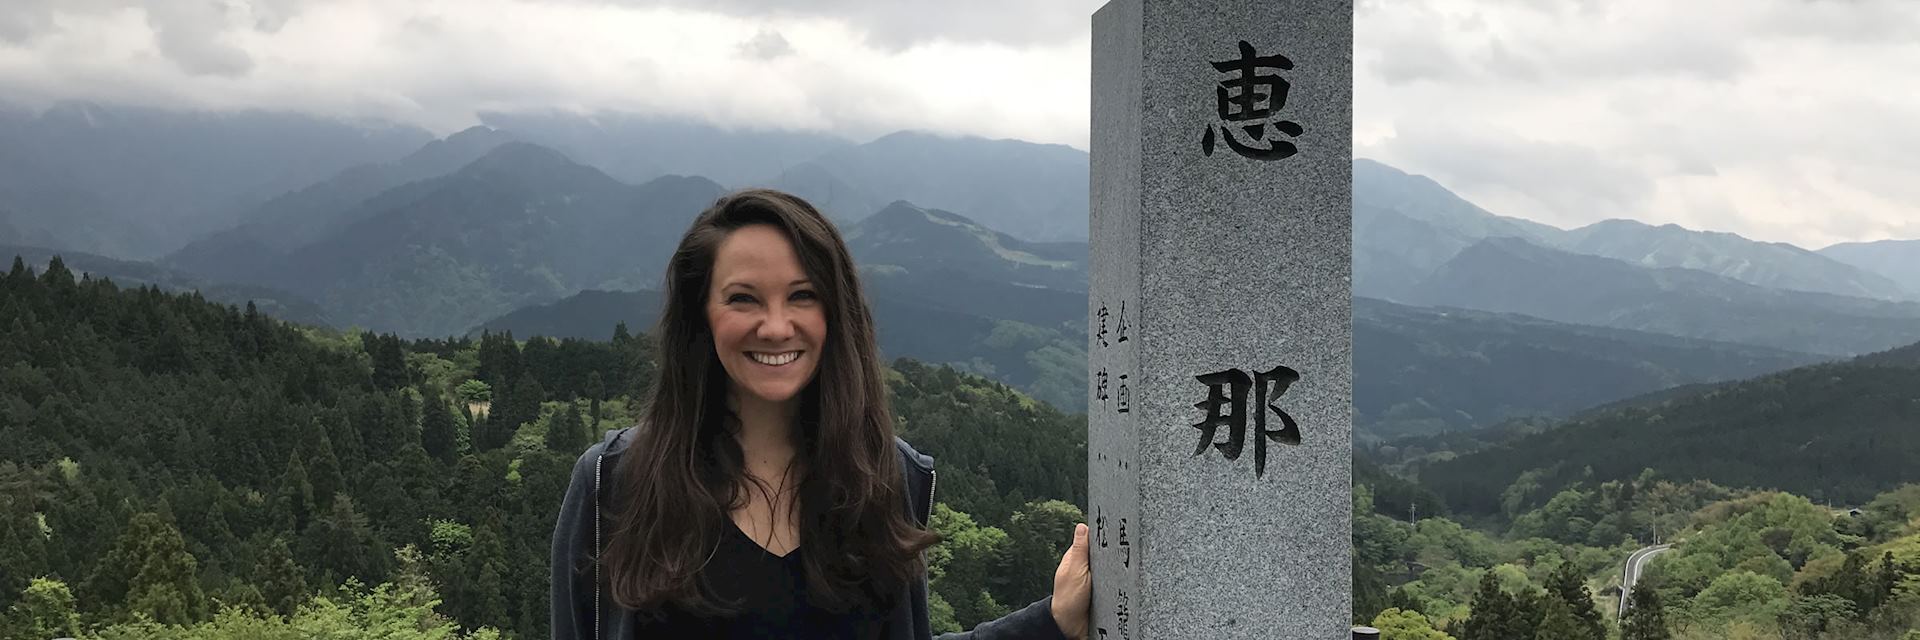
[[128, 274], [1516, 276], [1839, 431], [521, 225], [920, 239], [1406, 226], [136, 183], [1897, 260], [635, 149], [297, 218], [1776, 265], [1422, 370], [1032, 191]]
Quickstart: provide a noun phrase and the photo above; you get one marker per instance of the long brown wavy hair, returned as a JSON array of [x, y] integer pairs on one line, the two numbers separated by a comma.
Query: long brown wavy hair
[[684, 472]]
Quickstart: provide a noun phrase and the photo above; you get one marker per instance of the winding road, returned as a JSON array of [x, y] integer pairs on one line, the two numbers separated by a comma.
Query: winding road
[[1636, 563]]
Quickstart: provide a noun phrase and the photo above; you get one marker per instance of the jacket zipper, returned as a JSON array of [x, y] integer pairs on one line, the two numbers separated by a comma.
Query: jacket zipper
[[596, 544], [933, 480]]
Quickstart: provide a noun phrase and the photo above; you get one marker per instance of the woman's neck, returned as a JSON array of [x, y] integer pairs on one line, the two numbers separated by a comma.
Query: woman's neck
[[766, 433]]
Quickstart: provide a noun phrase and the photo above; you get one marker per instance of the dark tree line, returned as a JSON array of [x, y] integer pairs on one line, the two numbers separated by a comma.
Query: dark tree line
[[168, 457]]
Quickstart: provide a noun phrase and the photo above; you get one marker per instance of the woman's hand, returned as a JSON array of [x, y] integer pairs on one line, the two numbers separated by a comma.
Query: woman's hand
[[1073, 587]]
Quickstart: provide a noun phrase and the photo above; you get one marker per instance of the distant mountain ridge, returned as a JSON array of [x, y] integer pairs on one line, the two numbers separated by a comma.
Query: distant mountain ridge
[[298, 218], [1405, 226], [1897, 260], [1424, 370], [1036, 192], [137, 182], [1839, 431], [520, 225], [1515, 276]]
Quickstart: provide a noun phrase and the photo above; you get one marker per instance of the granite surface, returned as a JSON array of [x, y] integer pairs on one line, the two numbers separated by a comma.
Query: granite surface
[[1222, 262]]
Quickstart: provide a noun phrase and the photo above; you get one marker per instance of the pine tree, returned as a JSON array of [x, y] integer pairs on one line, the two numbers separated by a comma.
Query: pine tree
[[565, 433], [1570, 588], [1492, 612], [296, 494], [1645, 620], [1529, 612], [1559, 622], [281, 581], [438, 435], [323, 467], [164, 582]]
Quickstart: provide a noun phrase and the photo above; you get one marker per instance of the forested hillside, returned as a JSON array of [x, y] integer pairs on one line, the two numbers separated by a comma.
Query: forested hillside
[[205, 468], [1839, 432]]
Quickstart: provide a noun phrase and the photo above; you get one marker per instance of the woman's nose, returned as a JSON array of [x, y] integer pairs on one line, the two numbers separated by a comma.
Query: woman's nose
[[778, 324]]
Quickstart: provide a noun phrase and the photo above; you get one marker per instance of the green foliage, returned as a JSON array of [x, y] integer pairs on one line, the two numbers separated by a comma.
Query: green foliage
[[1037, 535], [996, 448], [390, 611], [1560, 623], [1568, 590], [1740, 595], [45, 610], [1731, 435], [1406, 625], [969, 571], [1646, 619], [281, 582], [473, 391]]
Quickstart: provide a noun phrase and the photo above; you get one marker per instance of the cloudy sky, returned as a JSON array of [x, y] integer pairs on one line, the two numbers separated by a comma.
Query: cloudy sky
[[1780, 120]]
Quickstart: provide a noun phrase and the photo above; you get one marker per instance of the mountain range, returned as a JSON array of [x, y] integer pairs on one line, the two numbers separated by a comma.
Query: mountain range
[[1463, 317]]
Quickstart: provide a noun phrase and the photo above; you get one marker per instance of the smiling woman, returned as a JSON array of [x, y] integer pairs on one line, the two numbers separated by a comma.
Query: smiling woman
[[765, 495]]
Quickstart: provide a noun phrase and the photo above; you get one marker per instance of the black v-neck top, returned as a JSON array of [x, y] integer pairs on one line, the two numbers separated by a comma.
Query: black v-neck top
[[770, 595]]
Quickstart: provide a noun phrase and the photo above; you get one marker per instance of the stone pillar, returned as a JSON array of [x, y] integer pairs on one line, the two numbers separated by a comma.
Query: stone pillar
[[1220, 320]]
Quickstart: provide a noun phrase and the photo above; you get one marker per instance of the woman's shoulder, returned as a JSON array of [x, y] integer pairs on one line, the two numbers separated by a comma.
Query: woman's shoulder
[[909, 455], [603, 454]]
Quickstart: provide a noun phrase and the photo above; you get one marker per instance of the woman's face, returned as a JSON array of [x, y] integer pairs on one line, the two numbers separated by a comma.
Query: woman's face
[[769, 323]]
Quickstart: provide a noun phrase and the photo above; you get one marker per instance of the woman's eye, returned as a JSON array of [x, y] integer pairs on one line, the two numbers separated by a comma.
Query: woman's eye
[[739, 298], [804, 295]]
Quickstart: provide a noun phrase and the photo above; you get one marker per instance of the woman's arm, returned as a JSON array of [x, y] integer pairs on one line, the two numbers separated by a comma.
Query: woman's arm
[[573, 606], [1061, 616], [1035, 622]]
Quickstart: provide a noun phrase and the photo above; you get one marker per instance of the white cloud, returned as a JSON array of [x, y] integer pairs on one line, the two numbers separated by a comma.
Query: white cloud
[[1776, 119], [438, 62], [1780, 120]]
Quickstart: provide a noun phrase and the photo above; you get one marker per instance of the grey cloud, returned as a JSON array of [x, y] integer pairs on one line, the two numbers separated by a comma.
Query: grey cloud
[[20, 24], [1573, 179], [766, 45], [191, 34], [900, 24]]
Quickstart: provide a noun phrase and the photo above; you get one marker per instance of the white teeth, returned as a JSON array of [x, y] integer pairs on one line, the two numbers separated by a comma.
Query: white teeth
[[773, 359]]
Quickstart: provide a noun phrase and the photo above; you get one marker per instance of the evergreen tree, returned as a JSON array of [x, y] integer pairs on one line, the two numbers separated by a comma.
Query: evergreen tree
[[281, 581], [1559, 622], [323, 467], [596, 390], [565, 432], [438, 434], [296, 495], [163, 578], [1529, 612], [1493, 612], [342, 545], [1567, 586], [1645, 620]]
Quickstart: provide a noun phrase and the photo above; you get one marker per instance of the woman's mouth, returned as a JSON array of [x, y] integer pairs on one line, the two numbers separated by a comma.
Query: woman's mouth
[[774, 359]]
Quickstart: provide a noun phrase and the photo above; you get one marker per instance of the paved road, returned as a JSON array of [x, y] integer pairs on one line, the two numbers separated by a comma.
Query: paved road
[[1635, 564]]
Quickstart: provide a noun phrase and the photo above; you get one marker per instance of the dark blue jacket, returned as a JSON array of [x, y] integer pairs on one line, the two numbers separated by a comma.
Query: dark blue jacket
[[583, 609]]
